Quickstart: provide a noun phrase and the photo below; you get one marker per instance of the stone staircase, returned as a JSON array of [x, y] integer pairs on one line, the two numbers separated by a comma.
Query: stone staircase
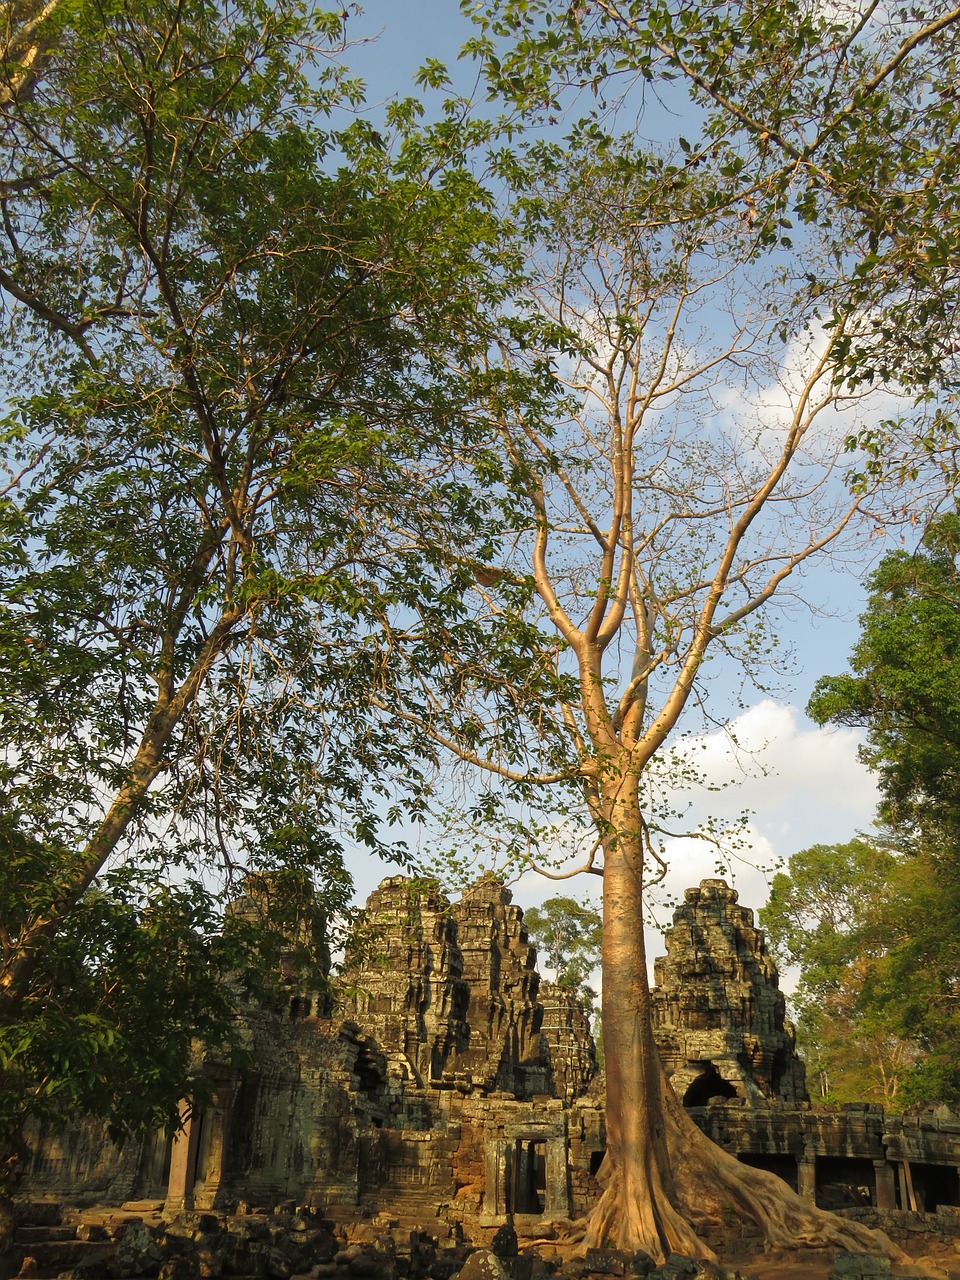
[[45, 1244]]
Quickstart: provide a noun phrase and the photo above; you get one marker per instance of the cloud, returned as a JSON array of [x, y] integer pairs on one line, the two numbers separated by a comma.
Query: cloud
[[802, 784]]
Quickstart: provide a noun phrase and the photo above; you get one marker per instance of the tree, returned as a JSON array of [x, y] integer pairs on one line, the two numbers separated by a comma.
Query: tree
[[904, 689], [903, 692], [827, 119], [833, 912], [241, 327], [656, 531], [569, 935], [872, 930], [689, 480], [546, 616]]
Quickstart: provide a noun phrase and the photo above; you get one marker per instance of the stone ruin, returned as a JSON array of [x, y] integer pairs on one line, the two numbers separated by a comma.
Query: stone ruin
[[454, 1084], [453, 996], [718, 1013]]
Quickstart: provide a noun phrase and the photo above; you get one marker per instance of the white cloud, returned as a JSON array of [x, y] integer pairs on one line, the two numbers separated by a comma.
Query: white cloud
[[802, 784]]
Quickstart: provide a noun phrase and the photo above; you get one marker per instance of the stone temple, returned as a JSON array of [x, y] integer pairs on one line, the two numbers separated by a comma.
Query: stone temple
[[453, 1083]]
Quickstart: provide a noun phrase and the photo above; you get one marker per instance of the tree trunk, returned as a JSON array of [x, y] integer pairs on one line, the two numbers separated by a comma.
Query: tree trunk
[[638, 1205], [663, 1177]]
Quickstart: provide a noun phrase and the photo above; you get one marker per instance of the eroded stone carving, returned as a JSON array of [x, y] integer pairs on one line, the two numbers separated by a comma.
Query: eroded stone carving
[[718, 1013]]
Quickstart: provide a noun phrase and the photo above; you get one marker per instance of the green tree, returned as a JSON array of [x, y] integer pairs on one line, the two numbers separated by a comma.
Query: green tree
[[832, 912], [873, 934], [904, 688], [241, 475], [569, 935], [655, 530], [903, 691], [924, 972]]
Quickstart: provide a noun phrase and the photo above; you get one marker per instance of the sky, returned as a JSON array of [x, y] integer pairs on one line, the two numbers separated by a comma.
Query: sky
[[398, 35], [803, 785]]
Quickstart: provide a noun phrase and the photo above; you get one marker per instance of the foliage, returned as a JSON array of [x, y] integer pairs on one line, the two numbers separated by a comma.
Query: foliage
[[872, 931], [829, 914], [823, 911], [569, 935], [123, 996], [246, 490], [904, 689]]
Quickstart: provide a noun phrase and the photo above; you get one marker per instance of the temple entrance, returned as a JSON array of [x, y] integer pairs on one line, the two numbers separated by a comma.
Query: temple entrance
[[845, 1183], [934, 1185], [708, 1084], [527, 1177], [154, 1171]]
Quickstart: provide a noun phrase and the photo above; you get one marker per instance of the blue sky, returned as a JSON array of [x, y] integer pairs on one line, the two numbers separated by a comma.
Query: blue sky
[[400, 35]]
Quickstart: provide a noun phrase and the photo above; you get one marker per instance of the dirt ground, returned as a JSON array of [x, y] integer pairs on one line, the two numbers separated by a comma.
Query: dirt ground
[[816, 1264]]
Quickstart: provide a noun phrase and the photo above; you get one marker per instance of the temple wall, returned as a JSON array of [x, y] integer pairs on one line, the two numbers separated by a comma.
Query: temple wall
[[455, 1083]]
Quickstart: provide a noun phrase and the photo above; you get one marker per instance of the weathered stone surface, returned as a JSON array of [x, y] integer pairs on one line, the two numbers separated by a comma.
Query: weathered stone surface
[[566, 1042], [679, 1267], [618, 1262], [718, 1013], [503, 1016], [137, 1251], [483, 1265], [409, 993], [179, 1267]]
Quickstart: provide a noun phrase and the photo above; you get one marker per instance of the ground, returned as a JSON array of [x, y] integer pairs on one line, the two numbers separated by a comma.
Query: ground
[[108, 1243]]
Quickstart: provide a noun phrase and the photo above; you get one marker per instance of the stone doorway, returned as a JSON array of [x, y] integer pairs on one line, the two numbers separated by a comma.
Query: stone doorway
[[526, 1173], [527, 1177], [708, 1084], [934, 1185], [845, 1183]]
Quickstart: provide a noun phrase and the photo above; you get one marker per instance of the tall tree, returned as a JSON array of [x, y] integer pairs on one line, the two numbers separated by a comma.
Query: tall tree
[[872, 930], [834, 912], [569, 936], [661, 516], [903, 691], [240, 333], [696, 470]]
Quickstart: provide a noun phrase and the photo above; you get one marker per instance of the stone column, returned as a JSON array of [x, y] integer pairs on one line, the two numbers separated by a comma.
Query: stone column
[[886, 1185], [210, 1159], [556, 1199], [807, 1178], [183, 1163], [496, 1169]]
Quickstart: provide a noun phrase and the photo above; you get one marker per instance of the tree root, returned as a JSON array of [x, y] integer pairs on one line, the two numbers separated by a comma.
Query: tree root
[[712, 1185], [708, 1186], [625, 1218]]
